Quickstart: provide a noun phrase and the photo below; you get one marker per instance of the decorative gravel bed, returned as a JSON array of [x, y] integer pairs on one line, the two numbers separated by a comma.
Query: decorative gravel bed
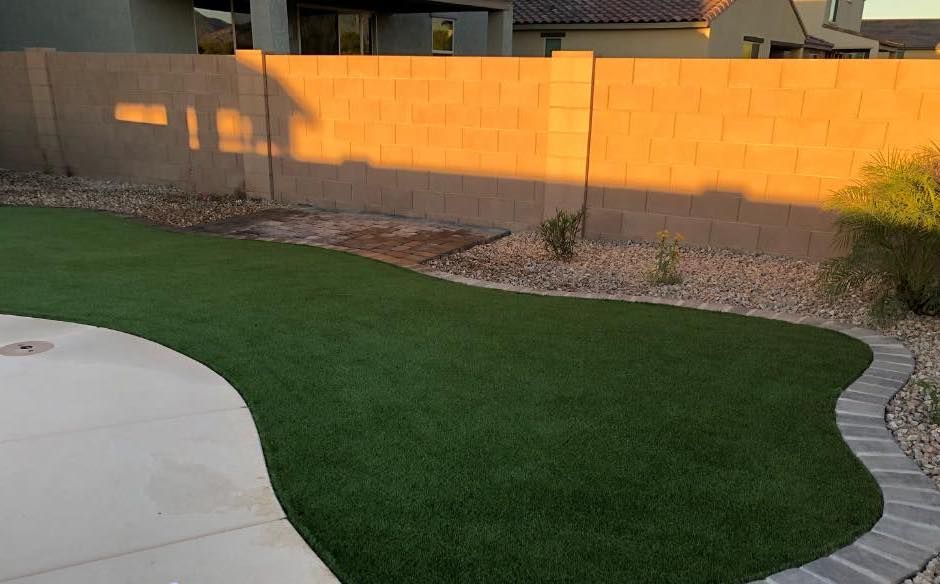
[[164, 205], [728, 277]]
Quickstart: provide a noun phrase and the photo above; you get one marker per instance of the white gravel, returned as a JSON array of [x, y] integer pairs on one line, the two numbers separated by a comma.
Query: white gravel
[[726, 277], [164, 205]]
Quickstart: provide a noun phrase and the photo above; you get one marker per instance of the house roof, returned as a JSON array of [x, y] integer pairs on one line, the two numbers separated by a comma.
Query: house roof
[[817, 42], [913, 33], [617, 11]]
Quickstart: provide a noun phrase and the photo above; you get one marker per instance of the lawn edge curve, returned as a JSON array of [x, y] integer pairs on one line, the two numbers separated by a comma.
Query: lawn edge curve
[[907, 535]]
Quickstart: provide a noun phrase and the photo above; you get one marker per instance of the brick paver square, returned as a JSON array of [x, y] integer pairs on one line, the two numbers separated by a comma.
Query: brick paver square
[[396, 240]]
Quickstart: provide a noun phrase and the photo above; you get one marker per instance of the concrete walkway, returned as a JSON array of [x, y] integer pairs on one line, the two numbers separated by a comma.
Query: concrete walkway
[[123, 462]]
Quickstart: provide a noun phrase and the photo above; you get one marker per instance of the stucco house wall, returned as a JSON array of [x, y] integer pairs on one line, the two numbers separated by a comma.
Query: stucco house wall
[[166, 26], [163, 26], [410, 34], [771, 20], [90, 25], [922, 54], [815, 16], [633, 42]]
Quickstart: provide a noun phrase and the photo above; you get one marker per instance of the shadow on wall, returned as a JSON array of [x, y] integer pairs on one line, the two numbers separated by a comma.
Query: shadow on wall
[[728, 153]]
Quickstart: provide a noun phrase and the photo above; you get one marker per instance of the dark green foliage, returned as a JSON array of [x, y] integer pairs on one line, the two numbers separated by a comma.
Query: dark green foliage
[[559, 234], [419, 431], [889, 226]]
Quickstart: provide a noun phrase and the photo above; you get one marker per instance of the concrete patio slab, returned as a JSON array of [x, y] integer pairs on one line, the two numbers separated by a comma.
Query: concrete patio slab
[[396, 240], [145, 381], [262, 554], [121, 460]]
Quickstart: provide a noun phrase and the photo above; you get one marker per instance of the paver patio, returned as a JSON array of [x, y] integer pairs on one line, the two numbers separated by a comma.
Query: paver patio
[[396, 240]]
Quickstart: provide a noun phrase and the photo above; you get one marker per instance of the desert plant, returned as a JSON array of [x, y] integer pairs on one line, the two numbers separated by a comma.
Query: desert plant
[[888, 225], [560, 233], [668, 256]]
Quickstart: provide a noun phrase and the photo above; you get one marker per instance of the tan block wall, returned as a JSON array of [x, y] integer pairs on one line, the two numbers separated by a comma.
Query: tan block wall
[[150, 118], [458, 139], [19, 144], [732, 153], [742, 154]]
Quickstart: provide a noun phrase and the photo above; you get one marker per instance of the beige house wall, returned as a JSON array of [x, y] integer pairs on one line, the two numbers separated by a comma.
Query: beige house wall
[[922, 54], [772, 20], [728, 152], [658, 42], [815, 14]]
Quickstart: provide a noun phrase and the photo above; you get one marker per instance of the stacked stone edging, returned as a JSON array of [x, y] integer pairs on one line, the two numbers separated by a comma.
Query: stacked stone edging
[[908, 534]]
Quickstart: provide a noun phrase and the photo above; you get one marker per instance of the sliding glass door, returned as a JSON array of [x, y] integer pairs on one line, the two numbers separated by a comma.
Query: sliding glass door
[[329, 32]]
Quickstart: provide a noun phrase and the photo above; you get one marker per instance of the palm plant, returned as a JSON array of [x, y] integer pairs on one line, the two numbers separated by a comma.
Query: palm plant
[[889, 226]]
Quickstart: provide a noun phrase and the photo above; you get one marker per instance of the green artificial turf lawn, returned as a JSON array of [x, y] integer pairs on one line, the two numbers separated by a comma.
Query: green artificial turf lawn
[[422, 431]]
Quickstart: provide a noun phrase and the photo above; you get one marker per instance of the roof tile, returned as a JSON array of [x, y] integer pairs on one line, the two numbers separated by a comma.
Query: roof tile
[[616, 11]]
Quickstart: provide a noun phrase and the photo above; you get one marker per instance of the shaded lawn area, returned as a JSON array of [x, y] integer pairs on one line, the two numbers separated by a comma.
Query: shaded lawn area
[[423, 431]]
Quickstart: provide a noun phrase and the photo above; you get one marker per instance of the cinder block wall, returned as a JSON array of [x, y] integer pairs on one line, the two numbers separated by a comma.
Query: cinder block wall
[[148, 118], [457, 139], [739, 153], [19, 144], [727, 152]]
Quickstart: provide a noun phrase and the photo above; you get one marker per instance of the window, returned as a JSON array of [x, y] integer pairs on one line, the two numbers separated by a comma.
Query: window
[[222, 26], [851, 54], [750, 48], [784, 51], [328, 32], [442, 36], [833, 10], [552, 45], [350, 34]]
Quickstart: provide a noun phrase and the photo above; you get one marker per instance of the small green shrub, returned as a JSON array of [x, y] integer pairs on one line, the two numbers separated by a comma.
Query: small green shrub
[[560, 233], [668, 256], [889, 226], [932, 399]]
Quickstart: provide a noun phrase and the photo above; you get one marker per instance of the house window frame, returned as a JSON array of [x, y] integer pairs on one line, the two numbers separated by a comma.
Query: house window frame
[[453, 39], [548, 37], [755, 43], [832, 11], [368, 15], [232, 27]]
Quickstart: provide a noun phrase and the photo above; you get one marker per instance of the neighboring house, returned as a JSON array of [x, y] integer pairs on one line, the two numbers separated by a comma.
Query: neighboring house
[[660, 28], [920, 37], [838, 23], [416, 27]]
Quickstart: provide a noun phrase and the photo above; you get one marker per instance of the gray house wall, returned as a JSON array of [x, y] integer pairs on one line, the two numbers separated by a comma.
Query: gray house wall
[[122, 26], [89, 25], [163, 26], [166, 26], [410, 34]]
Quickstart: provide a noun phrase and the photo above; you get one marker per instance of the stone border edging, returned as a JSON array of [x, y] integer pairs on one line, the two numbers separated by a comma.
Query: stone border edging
[[908, 534]]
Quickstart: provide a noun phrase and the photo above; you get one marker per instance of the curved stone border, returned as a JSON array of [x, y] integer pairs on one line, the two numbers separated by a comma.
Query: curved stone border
[[908, 534]]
